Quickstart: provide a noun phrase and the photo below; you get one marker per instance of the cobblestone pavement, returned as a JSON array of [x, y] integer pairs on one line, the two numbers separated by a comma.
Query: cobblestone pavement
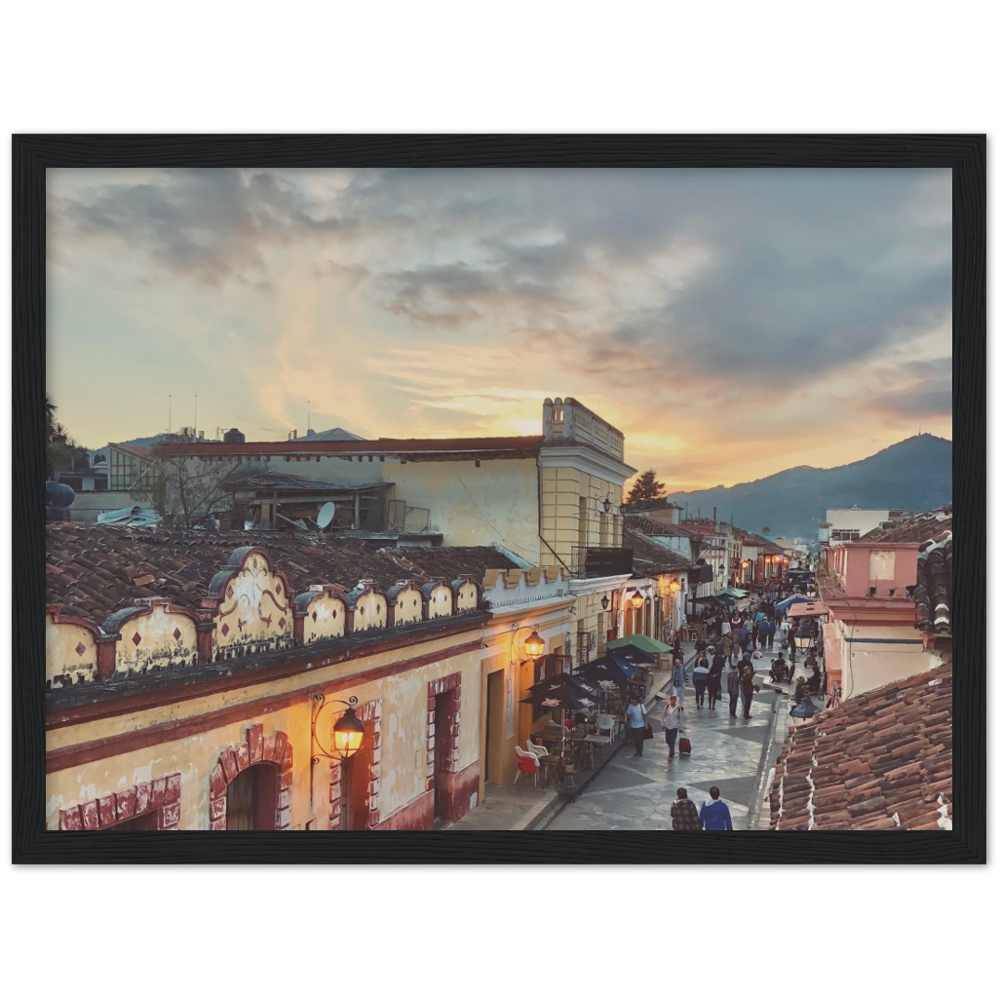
[[635, 793]]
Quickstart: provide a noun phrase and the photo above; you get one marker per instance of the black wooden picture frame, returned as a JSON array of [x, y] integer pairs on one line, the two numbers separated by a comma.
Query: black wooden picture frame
[[965, 155]]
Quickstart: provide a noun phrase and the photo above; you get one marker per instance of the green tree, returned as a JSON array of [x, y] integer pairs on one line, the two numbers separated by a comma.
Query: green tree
[[646, 487], [765, 531], [60, 448]]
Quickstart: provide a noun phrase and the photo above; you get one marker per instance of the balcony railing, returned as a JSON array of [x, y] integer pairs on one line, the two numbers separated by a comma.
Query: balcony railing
[[591, 561]]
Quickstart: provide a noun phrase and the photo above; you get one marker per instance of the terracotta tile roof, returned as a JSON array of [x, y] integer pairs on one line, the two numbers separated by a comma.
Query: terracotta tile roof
[[932, 594], [447, 562], [650, 558], [881, 761], [381, 446], [132, 449], [918, 528], [648, 526], [94, 570]]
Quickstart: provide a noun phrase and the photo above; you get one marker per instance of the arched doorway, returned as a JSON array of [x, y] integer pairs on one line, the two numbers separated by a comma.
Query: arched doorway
[[252, 799], [263, 800]]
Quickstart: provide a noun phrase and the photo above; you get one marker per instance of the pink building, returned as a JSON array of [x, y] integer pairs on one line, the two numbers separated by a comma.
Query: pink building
[[869, 638]]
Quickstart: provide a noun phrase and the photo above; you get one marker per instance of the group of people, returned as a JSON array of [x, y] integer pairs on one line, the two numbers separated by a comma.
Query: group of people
[[707, 674], [713, 815]]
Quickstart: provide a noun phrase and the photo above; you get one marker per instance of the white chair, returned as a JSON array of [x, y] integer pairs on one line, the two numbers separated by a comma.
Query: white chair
[[538, 751], [607, 721]]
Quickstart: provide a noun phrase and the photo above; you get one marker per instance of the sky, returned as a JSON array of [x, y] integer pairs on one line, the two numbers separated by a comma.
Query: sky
[[732, 323]]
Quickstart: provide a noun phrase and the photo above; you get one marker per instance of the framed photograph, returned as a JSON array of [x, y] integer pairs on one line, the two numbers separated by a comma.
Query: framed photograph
[[499, 499]]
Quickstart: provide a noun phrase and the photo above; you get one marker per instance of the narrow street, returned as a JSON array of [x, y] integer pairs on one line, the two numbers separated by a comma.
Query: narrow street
[[636, 793]]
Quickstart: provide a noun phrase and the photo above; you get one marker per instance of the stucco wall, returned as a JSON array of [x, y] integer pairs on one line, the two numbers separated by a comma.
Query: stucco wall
[[863, 666], [403, 751], [497, 502], [70, 654], [156, 640], [562, 490]]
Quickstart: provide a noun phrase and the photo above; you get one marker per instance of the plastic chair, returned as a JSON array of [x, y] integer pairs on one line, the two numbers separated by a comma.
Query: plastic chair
[[608, 722], [527, 763], [538, 751]]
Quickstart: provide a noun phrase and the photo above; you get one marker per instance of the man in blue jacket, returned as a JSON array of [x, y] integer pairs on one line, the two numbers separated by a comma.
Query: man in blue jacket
[[715, 814]]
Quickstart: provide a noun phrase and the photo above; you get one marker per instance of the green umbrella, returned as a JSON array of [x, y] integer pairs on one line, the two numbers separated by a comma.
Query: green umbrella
[[642, 641]]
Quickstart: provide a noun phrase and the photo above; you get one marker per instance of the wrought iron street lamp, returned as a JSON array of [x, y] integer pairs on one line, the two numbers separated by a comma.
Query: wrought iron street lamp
[[348, 730], [605, 602], [607, 505], [675, 586], [534, 645], [637, 600]]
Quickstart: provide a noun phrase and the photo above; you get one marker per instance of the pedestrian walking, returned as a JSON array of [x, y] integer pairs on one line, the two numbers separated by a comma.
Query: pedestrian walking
[[727, 647], [671, 722], [733, 687], [715, 680], [771, 627], [746, 685], [635, 716], [699, 675], [701, 645], [714, 813], [754, 632], [679, 679], [684, 813]]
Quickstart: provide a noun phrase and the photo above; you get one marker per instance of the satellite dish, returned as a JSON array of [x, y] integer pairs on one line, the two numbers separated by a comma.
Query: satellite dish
[[325, 516]]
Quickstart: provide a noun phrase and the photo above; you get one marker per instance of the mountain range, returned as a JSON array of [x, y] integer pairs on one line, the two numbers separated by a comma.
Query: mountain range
[[914, 474]]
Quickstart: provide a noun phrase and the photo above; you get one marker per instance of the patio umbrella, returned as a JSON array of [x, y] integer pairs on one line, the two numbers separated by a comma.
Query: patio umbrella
[[607, 668], [635, 656], [789, 601], [564, 691], [642, 641]]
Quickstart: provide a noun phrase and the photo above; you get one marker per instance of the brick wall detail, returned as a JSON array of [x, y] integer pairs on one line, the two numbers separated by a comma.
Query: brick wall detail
[[257, 749], [162, 797]]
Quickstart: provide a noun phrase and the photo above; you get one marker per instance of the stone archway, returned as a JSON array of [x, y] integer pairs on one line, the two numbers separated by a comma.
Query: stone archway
[[257, 749]]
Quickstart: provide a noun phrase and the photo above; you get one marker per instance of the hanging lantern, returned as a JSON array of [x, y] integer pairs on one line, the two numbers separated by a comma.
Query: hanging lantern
[[534, 645], [675, 586], [348, 734], [637, 600]]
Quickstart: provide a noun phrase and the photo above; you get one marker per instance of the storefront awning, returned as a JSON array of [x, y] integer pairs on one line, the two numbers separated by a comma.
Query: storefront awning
[[808, 610]]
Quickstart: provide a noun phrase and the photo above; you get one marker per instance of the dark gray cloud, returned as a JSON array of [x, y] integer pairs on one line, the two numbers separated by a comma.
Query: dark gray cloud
[[209, 225], [924, 390], [799, 272]]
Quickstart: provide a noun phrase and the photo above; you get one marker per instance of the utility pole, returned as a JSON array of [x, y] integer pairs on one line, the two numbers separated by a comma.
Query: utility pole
[[308, 414], [170, 412], [196, 415]]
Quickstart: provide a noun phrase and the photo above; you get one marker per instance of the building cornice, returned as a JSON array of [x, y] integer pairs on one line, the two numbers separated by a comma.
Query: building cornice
[[599, 584], [587, 459]]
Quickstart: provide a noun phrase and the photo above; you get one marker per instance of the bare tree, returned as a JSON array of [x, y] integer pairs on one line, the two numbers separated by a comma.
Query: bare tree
[[183, 489]]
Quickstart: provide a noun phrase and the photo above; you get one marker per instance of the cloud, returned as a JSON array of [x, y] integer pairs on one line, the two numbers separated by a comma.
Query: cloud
[[919, 389], [208, 224], [701, 311]]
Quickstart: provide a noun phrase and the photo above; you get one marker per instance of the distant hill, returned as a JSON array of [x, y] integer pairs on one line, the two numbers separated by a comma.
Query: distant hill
[[914, 474]]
